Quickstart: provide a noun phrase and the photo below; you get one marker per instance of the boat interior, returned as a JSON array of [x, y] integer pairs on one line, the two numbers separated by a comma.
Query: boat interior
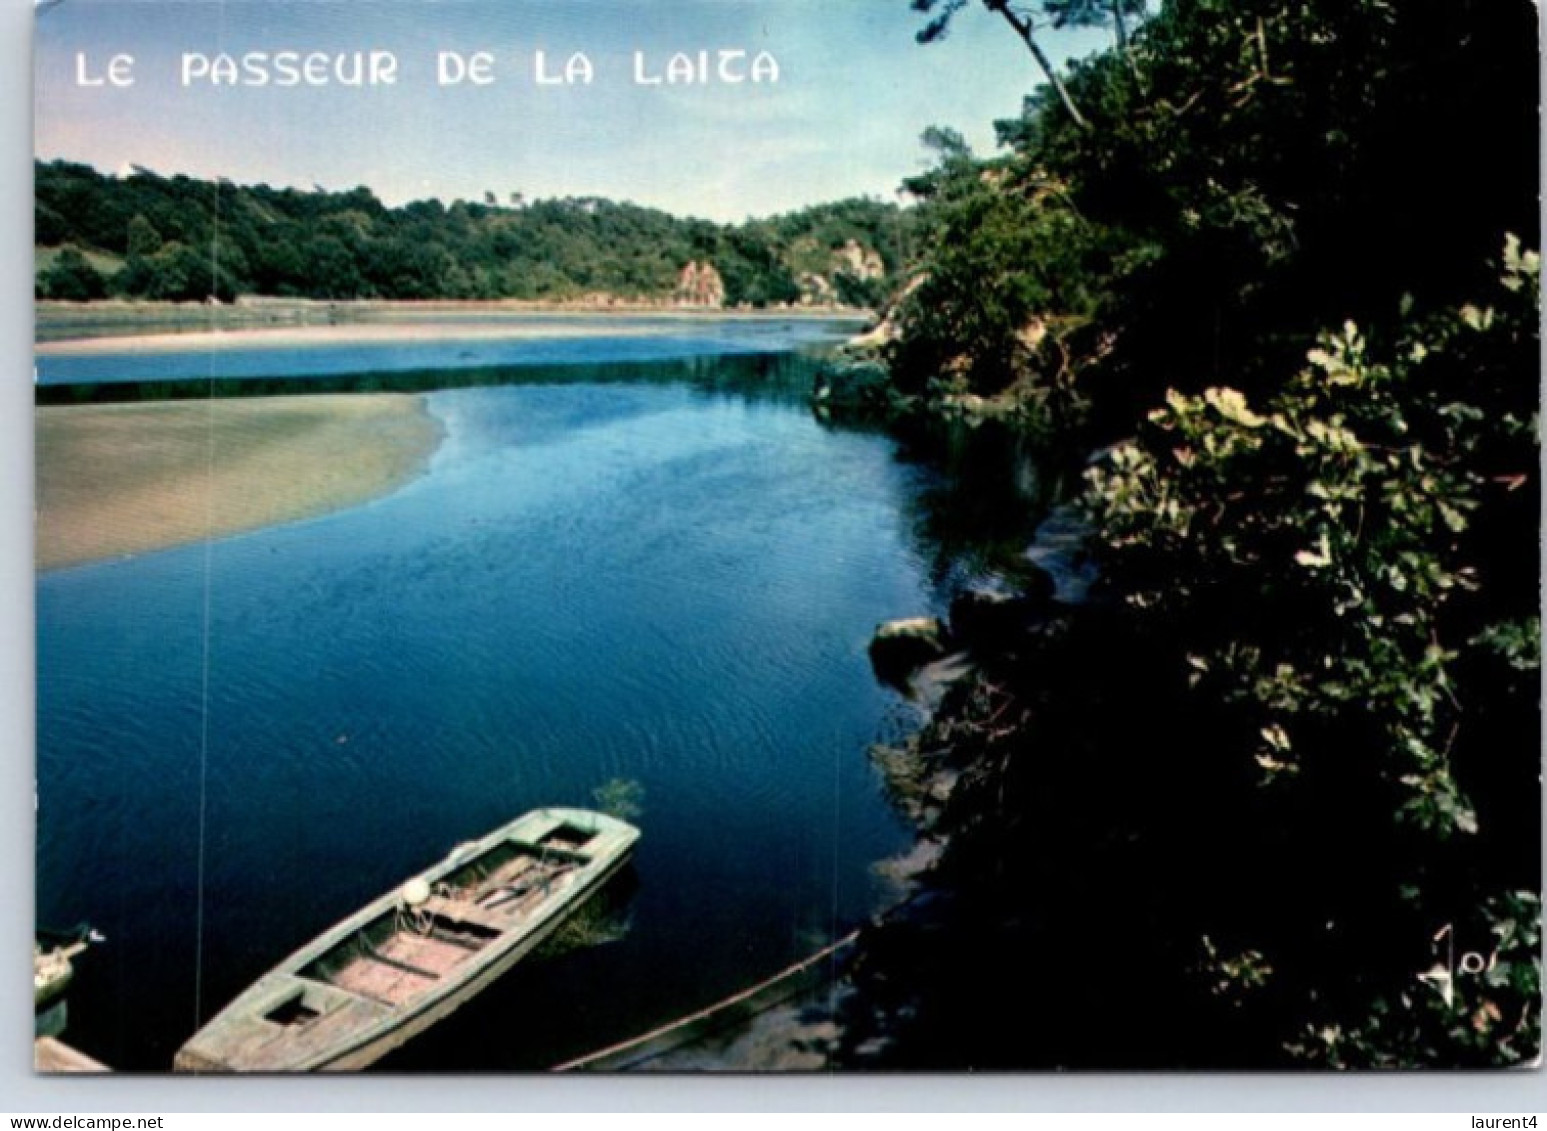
[[403, 952]]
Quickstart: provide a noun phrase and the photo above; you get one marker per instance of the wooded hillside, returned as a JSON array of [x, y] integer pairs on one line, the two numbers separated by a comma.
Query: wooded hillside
[[181, 239]]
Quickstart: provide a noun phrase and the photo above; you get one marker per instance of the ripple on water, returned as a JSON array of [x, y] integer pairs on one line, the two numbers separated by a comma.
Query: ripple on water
[[591, 582]]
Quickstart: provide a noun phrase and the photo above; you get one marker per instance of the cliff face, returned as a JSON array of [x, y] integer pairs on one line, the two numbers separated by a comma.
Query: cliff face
[[699, 284], [852, 263], [859, 261]]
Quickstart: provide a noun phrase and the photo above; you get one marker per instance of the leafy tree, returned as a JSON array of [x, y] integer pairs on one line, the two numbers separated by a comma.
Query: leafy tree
[[349, 245], [331, 271], [50, 229], [1266, 175], [1007, 273], [143, 239], [1342, 510], [1324, 570], [1273, 797], [70, 278], [179, 273]]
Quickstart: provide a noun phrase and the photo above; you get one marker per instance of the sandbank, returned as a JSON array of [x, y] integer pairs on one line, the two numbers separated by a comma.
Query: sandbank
[[114, 480], [116, 329], [292, 337]]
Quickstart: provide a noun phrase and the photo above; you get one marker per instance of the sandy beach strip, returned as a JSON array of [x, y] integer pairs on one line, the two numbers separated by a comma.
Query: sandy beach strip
[[294, 337], [391, 327], [124, 479]]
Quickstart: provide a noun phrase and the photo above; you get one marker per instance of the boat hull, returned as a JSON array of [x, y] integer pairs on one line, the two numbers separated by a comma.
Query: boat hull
[[373, 1051], [382, 976]]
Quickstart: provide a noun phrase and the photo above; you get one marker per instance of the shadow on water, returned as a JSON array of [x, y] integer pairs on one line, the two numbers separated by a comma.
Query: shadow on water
[[988, 489], [604, 919], [783, 377]]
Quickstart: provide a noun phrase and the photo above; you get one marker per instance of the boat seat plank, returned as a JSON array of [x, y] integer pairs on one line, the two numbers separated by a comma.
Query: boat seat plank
[[531, 890], [460, 941], [381, 981], [505, 875], [464, 911], [424, 952], [401, 964]]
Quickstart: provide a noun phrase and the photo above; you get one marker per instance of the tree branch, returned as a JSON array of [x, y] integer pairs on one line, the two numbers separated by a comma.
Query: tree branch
[[1023, 27]]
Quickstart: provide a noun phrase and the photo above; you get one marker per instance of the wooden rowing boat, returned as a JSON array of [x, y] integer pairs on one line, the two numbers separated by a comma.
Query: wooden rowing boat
[[392, 969]]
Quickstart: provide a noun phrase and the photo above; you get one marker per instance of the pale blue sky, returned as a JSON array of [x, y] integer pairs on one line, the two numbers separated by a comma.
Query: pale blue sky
[[855, 91]]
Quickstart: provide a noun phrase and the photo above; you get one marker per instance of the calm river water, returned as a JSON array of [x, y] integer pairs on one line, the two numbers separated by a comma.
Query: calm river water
[[663, 571]]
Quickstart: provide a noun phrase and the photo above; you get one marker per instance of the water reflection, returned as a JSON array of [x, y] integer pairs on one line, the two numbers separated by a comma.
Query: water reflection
[[977, 512], [760, 377]]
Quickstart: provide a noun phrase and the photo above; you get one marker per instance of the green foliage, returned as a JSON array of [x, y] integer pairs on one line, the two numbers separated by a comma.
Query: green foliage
[[70, 278], [1003, 258], [1294, 743], [1005, 278], [179, 273], [623, 798], [1340, 515], [1472, 1008], [1335, 575], [143, 239], [349, 245], [1274, 794], [1253, 170]]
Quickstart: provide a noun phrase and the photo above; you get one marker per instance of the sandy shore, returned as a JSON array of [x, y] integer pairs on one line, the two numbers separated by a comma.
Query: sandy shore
[[291, 337], [124, 479], [115, 329]]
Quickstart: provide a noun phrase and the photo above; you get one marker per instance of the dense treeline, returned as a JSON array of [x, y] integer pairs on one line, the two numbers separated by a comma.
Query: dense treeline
[[1273, 797], [1247, 174], [181, 239]]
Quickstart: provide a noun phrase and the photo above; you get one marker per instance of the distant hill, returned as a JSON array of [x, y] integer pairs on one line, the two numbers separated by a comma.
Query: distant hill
[[181, 239]]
